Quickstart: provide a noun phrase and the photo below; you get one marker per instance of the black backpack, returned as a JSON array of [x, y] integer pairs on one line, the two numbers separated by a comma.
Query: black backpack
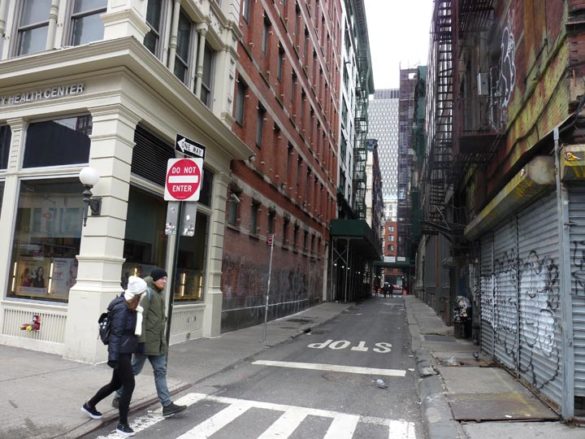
[[105, 327]]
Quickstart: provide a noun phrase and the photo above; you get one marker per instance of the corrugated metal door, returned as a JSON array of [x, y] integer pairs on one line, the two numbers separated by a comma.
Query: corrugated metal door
[[539, 298], [577, 236], [506, 293], [486, 299]]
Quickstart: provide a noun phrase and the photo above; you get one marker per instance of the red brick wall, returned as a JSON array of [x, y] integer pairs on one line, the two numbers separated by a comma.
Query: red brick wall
[[295, 166]]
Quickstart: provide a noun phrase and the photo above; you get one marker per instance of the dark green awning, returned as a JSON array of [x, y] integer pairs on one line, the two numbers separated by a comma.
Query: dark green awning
[[361, 235]]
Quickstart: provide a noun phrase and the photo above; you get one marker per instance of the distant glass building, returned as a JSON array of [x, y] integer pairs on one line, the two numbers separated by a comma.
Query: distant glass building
[[383, 126]]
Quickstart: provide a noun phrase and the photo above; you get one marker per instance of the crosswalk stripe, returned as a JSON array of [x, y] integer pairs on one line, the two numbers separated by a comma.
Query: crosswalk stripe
[[400, 430], [333, 368], [217, 421], [284, 426], [342, 427], [147, 421]]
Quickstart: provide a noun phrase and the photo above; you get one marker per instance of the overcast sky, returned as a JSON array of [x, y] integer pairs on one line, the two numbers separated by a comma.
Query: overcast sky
[[399, 37]]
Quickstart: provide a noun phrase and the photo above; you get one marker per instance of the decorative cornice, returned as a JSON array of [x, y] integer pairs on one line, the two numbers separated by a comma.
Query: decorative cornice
[[122, 53]]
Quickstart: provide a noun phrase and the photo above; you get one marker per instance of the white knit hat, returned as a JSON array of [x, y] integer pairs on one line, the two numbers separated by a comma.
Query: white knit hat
[[136, 286]]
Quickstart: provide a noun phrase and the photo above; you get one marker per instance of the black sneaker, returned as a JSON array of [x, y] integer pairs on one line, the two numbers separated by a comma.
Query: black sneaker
[[124, 430], [172, 409], [116, 402], [91, 411]]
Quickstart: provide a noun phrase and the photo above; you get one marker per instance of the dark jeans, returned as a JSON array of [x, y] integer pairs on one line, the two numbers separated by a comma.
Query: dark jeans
[[121, 377]]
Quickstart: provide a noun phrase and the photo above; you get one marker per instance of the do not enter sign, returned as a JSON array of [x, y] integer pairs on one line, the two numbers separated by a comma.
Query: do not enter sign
[[184, 178]]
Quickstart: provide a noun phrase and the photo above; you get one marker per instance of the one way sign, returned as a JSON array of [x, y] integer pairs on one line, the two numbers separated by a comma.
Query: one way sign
[[189, 147]]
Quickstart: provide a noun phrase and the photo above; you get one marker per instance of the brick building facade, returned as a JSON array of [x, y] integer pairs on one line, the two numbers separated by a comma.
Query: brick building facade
[[286, 109], [391, 275]]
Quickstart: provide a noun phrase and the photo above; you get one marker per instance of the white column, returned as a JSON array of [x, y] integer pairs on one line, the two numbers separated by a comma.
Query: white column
[[213, 293], [224, 83], [125, 18], [202, 31], [174, 32], [231, 9], [10, 200], [102, 242], [3, 16], [7, 9], [52, 28]]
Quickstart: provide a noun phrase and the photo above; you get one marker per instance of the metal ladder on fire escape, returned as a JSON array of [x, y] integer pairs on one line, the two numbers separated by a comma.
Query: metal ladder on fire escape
[[440, 160], [361, 132]]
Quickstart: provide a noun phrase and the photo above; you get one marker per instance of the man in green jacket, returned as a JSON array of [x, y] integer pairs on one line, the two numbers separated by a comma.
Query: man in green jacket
[[154, 341]]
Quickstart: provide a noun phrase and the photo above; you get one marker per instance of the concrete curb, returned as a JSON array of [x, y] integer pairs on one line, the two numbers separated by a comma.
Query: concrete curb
[[112, 414], [435, 410]]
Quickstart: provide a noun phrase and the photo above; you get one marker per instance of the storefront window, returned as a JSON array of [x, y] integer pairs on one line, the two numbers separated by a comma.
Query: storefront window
[[145, 243], [46, 239], [69, 136], [205, 194], [5, 136], [191, 262]]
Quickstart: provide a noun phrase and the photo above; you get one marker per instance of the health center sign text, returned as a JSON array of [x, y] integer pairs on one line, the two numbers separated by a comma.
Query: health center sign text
[[43, 94]]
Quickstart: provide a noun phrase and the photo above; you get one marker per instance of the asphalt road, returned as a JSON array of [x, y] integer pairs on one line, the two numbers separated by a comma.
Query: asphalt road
[[350, 378]]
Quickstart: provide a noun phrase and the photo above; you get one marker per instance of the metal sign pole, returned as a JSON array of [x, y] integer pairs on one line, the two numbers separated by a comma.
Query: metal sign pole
[[268, 286], [173, 275]]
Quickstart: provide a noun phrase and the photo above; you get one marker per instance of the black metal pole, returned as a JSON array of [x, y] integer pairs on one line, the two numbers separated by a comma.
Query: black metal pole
[[173, 276]]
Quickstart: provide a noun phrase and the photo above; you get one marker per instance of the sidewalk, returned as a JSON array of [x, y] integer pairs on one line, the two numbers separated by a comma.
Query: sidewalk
[[465, 395], [41, 394]]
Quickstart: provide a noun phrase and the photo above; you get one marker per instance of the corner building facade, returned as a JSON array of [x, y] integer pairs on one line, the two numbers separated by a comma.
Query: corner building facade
[[286, 111], [109, 85]]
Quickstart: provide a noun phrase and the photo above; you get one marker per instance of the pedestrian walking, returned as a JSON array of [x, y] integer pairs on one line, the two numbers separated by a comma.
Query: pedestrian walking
[[126, 318], [153, 344]]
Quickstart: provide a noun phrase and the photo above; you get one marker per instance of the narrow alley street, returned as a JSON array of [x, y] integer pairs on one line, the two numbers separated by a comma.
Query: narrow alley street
[[353, 377]]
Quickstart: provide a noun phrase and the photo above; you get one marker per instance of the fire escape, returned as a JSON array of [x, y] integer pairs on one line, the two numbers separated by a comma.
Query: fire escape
[[477, 119], [361, 133], [466, 118], [440, 160]]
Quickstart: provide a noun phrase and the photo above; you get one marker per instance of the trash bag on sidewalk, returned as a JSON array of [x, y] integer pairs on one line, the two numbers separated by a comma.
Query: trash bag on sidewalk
[[462, 311], [462, 317]]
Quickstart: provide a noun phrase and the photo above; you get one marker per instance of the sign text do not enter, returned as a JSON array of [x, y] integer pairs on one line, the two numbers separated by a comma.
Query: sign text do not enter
[[184, 179]]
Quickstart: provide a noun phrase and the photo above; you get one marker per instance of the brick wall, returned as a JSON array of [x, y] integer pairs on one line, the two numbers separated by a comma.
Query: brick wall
[[289, 69]]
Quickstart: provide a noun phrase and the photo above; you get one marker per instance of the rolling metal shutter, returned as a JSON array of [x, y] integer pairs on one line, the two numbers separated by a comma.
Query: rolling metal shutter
[[540, 335], [577, 237], [487, 294], [506, 293]]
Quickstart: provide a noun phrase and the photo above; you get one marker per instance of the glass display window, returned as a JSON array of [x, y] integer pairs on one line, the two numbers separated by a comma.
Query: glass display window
[[46, 239], [189, 282], [145, 242], [145, 245]]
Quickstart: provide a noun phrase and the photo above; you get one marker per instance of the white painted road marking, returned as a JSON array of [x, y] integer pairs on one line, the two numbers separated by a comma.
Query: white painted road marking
[[286, 424], [217, 422], [342, 426], [333, 368], [146, 421], [381, 347]]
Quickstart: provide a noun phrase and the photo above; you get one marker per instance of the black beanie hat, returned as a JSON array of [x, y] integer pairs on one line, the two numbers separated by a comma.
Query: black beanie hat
[[157, 273]]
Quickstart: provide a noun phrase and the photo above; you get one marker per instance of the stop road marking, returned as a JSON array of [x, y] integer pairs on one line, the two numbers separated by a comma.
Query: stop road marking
[[381, 347]]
